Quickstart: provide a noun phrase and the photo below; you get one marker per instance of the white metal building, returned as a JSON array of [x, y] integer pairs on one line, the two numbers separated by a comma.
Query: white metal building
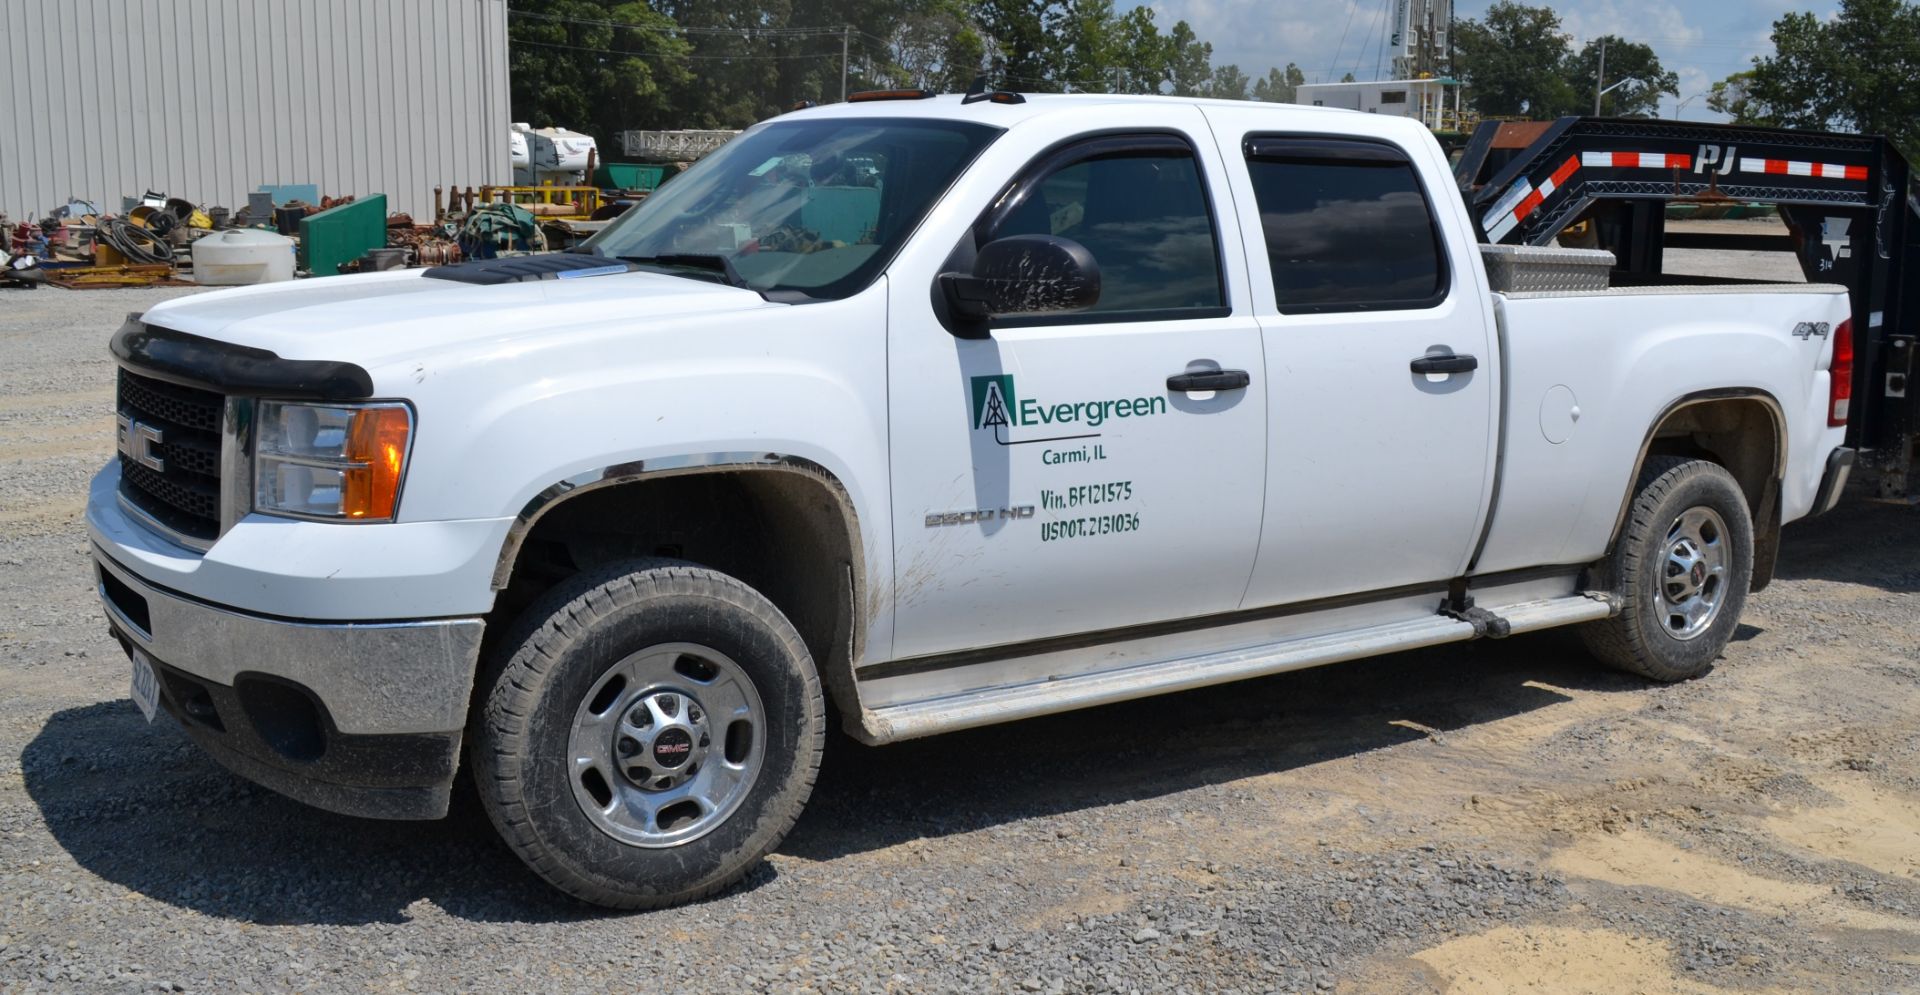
[[1434, 102], [208, 99]]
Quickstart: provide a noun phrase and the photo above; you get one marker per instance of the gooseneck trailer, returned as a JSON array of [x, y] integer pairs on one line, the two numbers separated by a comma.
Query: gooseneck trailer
[[1847, 201]]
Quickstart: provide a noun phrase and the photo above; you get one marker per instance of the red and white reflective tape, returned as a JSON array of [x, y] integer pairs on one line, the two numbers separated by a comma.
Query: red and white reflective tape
[[1522, 198], [1784, 167], [1635, 160]]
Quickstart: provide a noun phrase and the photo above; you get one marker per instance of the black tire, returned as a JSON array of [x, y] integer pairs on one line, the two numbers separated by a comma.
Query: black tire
[[1641, 639], [559, 652]]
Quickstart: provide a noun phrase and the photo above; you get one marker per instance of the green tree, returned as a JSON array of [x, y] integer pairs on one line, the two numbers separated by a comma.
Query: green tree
[[1512, 61], [604, 66], [1279, 86], [1087, 40], [1853, 72], [736, 76], [1189, 61], [1141, 56], [1626, 60], [1348, 78], [938, 49], [1730, 96], [571, 67], [1087, 45], [1019, 42], [1228, 83]]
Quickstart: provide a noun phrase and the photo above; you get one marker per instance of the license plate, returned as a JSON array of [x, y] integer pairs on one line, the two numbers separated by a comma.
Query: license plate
[[146, 685]]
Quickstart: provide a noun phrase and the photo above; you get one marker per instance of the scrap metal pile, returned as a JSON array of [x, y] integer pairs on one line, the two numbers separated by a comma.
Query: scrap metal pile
[[291, 230], [287, 231], [77, 245]]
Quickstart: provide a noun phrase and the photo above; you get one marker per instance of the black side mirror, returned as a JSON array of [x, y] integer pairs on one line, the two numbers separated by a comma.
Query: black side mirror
[[1024, 274]]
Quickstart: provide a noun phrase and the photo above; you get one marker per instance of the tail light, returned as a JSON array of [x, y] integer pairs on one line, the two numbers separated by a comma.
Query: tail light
[[1840, 375]]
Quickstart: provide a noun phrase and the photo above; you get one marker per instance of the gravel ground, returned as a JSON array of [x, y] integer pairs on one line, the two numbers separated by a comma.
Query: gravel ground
[[1498, 818]]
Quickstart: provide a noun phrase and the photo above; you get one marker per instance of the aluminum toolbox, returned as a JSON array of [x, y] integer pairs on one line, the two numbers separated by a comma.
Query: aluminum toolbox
[[1522, 269]]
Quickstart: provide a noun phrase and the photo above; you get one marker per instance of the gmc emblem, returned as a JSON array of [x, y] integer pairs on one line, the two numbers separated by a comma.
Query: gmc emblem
[[136, 441]]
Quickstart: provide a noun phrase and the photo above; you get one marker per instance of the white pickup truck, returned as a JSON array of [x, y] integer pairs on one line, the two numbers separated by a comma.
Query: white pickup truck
[[930, 412]]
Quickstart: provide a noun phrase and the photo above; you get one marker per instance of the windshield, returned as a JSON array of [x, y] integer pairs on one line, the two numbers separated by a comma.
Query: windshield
[[799, 210]]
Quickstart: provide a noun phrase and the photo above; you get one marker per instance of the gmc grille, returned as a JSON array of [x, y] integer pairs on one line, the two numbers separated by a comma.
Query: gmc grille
[[183, 494]]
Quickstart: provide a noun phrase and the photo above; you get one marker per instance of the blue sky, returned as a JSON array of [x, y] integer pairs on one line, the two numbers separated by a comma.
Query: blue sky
[[1702, 40]]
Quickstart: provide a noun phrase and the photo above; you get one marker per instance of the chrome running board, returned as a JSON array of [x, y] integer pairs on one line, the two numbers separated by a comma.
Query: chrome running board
[[1045, 696]]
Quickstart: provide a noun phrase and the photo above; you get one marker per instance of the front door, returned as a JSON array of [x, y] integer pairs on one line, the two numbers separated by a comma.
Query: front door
[[1054, 478]]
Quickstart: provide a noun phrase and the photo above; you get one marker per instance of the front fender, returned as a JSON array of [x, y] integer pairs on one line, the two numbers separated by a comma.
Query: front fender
[[507, 431]]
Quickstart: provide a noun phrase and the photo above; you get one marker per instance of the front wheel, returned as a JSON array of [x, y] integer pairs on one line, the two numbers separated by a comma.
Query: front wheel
[[653, 731], [1683, 565]]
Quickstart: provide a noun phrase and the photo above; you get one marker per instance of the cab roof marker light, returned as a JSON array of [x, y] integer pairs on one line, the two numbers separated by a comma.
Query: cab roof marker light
[[866, 95], [978, 91]]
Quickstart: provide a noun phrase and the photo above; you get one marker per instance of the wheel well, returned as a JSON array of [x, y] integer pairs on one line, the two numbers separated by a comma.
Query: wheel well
[[1743, 434], [785, 532], [1740, 433]]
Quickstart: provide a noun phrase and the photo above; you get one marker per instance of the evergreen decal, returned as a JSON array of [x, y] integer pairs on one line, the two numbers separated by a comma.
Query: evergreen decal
[[997, 407]]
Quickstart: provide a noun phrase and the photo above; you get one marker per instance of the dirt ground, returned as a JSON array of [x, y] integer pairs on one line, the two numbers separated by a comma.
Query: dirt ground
[[1500, 817]]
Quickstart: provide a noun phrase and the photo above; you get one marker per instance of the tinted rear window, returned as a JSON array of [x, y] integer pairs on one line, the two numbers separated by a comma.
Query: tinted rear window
[[1348, 236]]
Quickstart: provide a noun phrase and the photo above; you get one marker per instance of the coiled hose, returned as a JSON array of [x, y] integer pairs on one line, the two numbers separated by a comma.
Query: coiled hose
[[139, 245]]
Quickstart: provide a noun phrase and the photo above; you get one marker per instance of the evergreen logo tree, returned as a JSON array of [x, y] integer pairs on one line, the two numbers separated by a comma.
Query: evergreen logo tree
[[995, 401], [996, 413]]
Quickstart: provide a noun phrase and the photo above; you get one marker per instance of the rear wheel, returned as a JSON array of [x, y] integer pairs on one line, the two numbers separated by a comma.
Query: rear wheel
[[652, 732], [1683, 565]]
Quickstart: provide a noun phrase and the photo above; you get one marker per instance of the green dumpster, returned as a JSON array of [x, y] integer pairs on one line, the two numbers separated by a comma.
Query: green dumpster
[[342, 234], [632, 175]]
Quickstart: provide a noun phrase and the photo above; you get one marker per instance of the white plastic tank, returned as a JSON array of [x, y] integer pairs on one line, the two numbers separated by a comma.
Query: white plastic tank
[[242, 256]]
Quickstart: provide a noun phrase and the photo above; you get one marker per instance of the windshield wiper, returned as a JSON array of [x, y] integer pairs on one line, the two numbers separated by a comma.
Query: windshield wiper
[[711, 262]]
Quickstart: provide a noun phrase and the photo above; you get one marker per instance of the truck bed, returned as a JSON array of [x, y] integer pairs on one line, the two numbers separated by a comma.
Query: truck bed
[[1588, 371]]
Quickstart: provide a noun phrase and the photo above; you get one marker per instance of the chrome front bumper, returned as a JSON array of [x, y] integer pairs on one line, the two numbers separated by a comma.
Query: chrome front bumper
[[379, 678], [358, 718]]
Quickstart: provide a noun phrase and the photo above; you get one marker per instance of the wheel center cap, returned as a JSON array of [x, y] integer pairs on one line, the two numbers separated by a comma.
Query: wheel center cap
[[1699, 574], [672, 747]]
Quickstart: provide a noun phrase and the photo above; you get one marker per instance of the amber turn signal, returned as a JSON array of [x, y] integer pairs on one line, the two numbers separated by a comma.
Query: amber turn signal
[[378, 440]]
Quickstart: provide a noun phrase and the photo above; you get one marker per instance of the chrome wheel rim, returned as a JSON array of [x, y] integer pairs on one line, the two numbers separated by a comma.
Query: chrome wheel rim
[[1692, 579], [666, 745]]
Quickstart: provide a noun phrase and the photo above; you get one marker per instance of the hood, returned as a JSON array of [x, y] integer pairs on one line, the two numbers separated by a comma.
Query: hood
[[379, 318]]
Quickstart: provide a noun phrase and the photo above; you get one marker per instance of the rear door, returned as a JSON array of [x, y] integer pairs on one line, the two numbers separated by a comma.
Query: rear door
[[1052, 479], [1381, 361]]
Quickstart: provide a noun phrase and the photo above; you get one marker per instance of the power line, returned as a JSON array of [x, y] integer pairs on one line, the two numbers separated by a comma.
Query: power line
[[1378, 20], [677, 55], [1386, 31], [675, 28], [1352, 6]]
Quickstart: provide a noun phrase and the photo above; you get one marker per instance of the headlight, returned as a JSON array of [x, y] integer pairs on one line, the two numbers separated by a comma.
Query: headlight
[[330, 461]]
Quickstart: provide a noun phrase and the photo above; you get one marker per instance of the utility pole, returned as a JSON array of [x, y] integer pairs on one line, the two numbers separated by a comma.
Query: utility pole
[[846, 31], [1600, 80]]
